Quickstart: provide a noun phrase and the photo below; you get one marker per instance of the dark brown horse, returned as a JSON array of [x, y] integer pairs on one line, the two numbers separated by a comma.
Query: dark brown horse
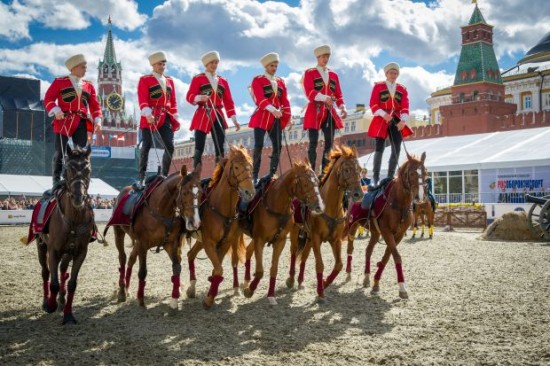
[[340, 176], [220, 229], [272, 220], [394, 220], [424, 211], [70, 228], [170, 210]]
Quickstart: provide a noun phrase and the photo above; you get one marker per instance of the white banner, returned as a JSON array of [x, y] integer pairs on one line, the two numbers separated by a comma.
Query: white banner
[[14, 217]]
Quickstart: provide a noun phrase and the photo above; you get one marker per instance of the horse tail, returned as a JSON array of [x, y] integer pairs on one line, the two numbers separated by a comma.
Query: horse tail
[[105, 230], [24, 240]]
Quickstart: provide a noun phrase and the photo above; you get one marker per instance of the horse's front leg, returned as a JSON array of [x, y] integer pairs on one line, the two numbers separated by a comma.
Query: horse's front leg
[[380, 266], [319, 268], [142, 273], [259, 257], [78, 260], [53, 264], [43, 260], [375, 235], [119, 242], [217, 273], [174, 251], [293, 251], [63, 267], [277, 250], [248, 264], [303, 260], [191, 256], [238, 247], [403, 292], [336, 246], [350, 247]]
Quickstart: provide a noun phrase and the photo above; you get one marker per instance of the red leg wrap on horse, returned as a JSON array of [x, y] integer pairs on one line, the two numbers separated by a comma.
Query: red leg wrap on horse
[[46, 288], [192, 275], [348, 264], [331, 277], [68, 309], [379, 271], [235, 277], [292, 270], [214, 284], [63, 284], [247, 270], [254, 284], [301, 274], [176, 287], [399, 269], [141, 289], [320, 286], [128, 276], [271, 290], [52, 300]]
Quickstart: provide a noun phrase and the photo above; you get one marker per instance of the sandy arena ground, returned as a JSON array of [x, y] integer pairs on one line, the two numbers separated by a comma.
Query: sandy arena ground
[[472, 302]]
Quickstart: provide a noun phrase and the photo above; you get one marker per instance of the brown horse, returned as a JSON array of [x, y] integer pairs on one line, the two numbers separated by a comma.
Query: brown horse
[[70, 228], [220, 229], [394, 220], [341, 175], [425, 211], [169, 211], [272, 220]]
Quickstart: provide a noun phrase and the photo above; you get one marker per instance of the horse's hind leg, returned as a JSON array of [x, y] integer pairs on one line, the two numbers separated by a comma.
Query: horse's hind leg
[[122, 284], [375, 235], [415, 225], [423, 223], [277, 249], [142, 275], [191, 255], [63, 266], [259, 255], [351, 239], [43, 260], [293, 251], [303, 260], [337, 253], [68, 316], [431, 224], [248, 264], [174, 252]]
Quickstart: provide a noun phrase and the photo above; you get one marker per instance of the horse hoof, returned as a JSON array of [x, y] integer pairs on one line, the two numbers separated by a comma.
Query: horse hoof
[[49, 309], [190, 292], [321, 300], [431, 237], [412, 237], [366, 281], [403, 295], [290, 282], [121, 295], [236, 291], [142, 303], [68, 319], [61, 300], [272, 301], [173, 304], [207, 303], [375, 291], [348, 277], [248, 292], [300, 286]]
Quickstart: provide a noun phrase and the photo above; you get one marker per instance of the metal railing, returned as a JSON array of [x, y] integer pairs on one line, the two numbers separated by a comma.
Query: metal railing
[[488, 197]]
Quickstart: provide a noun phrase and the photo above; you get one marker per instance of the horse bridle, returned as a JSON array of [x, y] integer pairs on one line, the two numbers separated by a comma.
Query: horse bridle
[[195, 192], [302, 192], [237, 177], [79, 177]]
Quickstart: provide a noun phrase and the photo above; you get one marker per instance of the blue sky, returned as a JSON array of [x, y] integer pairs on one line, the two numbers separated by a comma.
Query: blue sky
[[422, 36]]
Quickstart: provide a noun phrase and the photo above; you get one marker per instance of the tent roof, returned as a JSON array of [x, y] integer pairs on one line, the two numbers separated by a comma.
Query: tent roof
[[34, 186], [508, 149]]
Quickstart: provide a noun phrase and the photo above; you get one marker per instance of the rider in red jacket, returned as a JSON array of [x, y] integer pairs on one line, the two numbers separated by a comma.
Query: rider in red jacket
[[73, 102]]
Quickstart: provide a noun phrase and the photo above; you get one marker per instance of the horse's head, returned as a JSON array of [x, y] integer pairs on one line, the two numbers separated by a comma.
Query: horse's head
[[239, 172], [188, 197], [78, 169], [305, 187], [345, 168], [413, 175]]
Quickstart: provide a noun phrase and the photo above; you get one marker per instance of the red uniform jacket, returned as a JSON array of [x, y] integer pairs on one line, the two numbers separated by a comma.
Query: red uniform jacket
[[150, 94], [200, 85], [396, 106], [63, 94], [317, 112], [263, 95]]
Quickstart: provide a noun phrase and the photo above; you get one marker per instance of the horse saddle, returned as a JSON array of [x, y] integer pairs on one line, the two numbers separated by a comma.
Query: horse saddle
[[373, 193], [263, 185], [373, 203]]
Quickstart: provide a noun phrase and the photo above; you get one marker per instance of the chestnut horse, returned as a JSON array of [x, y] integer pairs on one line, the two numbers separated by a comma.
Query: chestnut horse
[[220, 229], [424, 210], [170, 210], [394, 220], [340, 176], [71, 225], [272, 220]]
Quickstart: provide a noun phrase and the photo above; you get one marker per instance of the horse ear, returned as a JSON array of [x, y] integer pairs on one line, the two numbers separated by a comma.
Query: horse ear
[[183, 170], [423, 157], [409, 157]]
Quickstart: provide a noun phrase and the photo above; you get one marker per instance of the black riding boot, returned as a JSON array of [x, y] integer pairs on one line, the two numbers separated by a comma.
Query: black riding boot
[[197, 158], [257, 162], [392, 166], [143, 157], [166, 161], [274, 163], [324, 163], [57, 168], [376, 165], [312, 155]]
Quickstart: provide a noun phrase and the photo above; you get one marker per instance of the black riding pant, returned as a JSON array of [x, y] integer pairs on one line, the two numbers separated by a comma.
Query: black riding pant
[[328, 132], [79, 137]]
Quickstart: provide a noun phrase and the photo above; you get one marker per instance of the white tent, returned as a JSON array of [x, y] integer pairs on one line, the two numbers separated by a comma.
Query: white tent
[[509, 149], [34, 186]]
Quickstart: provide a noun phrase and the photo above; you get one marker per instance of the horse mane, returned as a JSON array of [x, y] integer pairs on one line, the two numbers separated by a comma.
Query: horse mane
[[336, 153], [218, 172]]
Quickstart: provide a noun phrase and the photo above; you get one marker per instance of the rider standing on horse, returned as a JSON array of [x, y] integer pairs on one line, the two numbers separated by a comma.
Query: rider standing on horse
[[159, 112], [210, 93], [69, 99], [272, 112], [389, 103], [322, 89]]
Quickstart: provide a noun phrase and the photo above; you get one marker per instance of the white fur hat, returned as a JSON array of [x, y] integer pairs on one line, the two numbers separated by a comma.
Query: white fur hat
[[269, 58], [210, 56], [157, 57], [322, 50], [391, 65], [74, 61]]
